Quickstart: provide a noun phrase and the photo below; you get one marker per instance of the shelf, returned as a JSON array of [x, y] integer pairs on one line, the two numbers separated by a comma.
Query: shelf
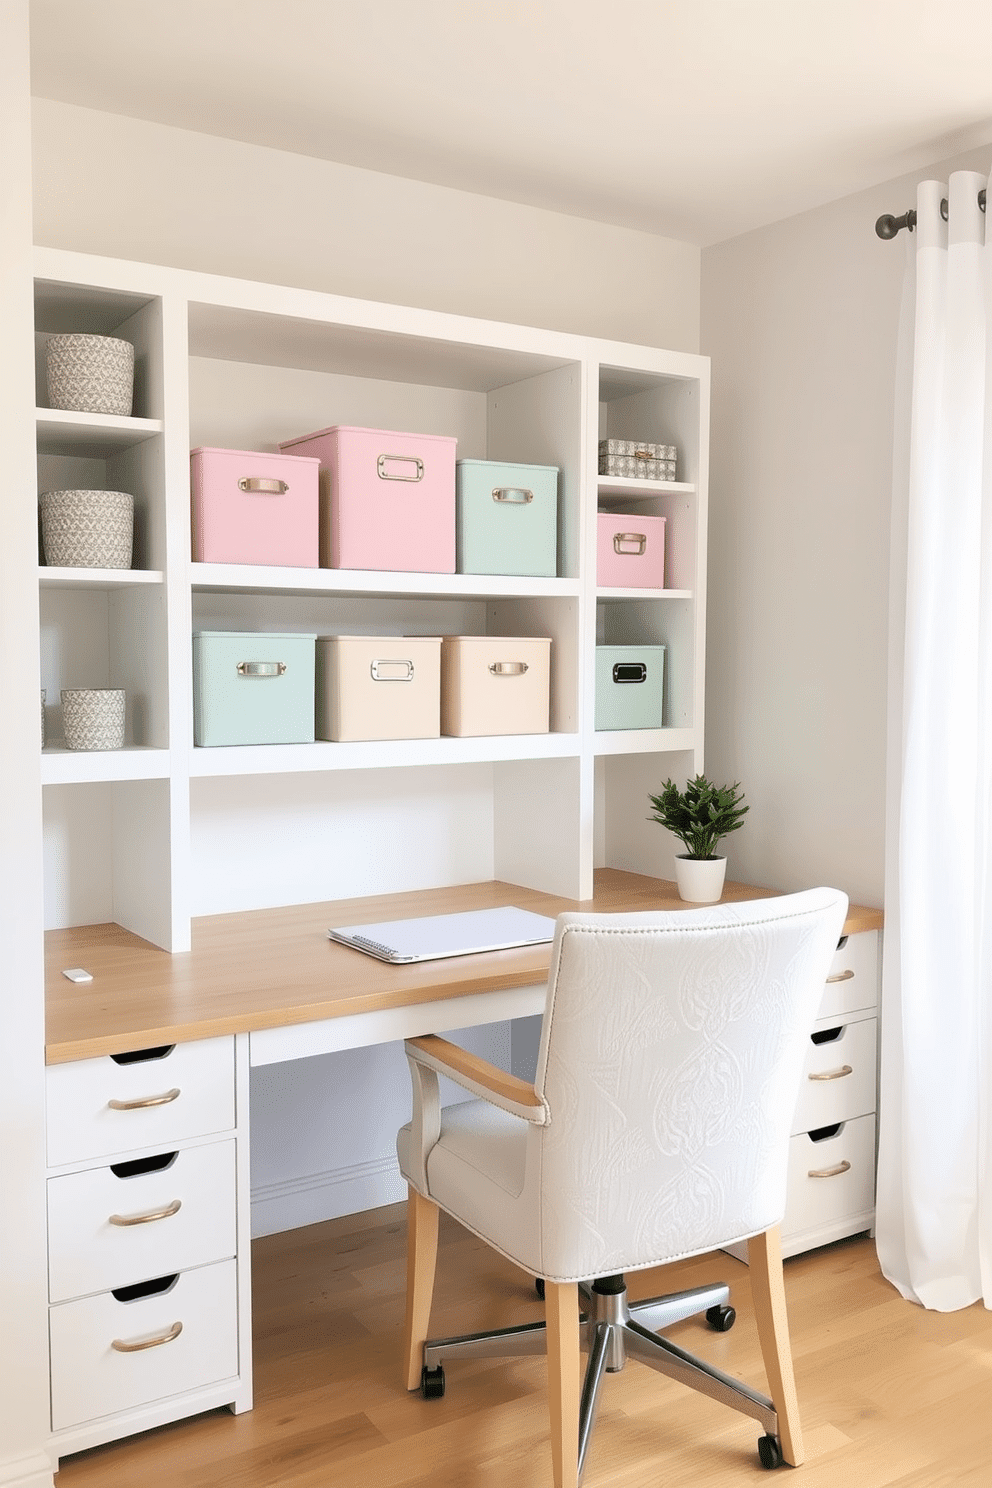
[[643, 741], [619, 594], [77, 766], [629, 485], [98, 578], [284, 759], [62, 432], [221, 577]]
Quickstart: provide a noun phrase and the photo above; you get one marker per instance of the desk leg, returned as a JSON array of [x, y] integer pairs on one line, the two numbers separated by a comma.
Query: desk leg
[[421, 1258]]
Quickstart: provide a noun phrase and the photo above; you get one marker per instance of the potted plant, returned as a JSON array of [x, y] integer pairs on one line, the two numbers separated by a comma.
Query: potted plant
[[700, 816]]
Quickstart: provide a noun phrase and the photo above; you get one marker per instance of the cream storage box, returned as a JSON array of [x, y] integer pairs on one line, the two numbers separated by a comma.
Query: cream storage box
[[495, 685], [506, 518], [252, 688], [378, 687], [630, 687]]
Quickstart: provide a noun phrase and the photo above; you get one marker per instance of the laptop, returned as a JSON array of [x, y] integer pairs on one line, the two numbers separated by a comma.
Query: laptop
[[432, 937]]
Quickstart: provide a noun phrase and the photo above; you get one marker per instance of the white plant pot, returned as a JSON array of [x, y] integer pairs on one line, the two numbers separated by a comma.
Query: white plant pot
[[700, 880]]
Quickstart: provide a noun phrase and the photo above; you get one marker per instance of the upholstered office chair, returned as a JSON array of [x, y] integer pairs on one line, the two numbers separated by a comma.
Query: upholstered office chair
[[657, 1128]]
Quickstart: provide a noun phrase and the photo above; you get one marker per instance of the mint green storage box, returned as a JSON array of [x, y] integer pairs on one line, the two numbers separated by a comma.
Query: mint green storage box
[[252, 688], [629, 686], [506, 518]]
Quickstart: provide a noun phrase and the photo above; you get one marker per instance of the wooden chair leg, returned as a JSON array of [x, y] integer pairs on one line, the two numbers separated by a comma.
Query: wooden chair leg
[[561, 1304], [768, 1293], [421, 1258]]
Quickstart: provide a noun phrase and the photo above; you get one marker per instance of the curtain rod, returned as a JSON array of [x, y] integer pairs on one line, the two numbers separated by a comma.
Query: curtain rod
[[888, 226]]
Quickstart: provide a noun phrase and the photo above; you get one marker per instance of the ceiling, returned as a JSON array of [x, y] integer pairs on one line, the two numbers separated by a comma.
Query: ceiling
[[695, 119]]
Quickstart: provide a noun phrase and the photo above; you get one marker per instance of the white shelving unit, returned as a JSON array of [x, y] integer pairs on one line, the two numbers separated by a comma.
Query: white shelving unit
[[135, 836]]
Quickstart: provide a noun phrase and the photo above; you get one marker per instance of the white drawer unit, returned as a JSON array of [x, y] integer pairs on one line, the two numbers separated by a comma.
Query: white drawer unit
[[831, 1184], [133, 1346], [125, 1102], [132, 1220]]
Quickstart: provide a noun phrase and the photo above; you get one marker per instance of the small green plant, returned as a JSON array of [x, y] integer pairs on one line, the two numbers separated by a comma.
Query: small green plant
[[701, 814]]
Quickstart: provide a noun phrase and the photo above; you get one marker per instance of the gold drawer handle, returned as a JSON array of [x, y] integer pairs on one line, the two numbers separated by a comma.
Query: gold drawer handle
[[837, 1074], [258, 485], [630, 544], [513, 495], [261, 668], [121, 1347], [841, 976], [125, 1220], [384, 670], [508, 668], [835, 1172], [146, 1100], [385, 473]]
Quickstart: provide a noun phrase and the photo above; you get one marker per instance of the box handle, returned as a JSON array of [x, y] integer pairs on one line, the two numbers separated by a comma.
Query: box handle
[[124, 1221], [120, 1347], [630, 671], [837, 1074], [629, 543], [259, 486], [508, 668], [644, 455], [392, 671], [414, 460], [261, 668], [834, 1172], [513, 495]]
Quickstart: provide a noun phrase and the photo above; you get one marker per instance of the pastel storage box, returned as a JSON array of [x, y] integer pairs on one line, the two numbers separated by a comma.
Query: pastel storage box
[[629, 686], [250, 688], [630, 551], [507, 518], [387, 500], [636, 460], [495, 685], [378, 687], [250, 507]]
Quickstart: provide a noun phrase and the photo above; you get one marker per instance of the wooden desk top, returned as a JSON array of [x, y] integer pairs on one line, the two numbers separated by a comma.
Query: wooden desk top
[[274, 967]]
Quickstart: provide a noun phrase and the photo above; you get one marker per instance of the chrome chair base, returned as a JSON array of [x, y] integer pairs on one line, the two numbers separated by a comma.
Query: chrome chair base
[[611, 1331]]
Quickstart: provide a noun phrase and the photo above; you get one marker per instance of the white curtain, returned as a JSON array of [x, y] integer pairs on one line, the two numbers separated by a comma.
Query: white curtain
[[934, 1209]]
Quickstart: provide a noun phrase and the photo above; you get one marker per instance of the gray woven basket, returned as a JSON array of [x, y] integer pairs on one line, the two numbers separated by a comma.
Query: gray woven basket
[[87, 529], [90, 374], [93, 717]]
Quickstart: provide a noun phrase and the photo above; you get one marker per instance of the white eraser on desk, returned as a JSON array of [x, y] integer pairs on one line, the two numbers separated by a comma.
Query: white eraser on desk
[[78, 974]]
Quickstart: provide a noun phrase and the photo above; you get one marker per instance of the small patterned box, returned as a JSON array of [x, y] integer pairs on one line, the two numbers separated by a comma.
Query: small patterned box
[[626, 457]]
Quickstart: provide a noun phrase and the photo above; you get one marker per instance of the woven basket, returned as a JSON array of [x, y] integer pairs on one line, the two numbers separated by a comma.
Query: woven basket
[[90, 374], [93, 717], [87, 529]]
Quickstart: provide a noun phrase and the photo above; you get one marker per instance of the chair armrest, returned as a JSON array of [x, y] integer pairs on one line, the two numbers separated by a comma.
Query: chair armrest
[[478, 1076]]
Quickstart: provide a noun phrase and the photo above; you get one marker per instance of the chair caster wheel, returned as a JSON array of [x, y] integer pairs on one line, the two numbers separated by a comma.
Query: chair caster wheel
[[539, 1287], [721, 1320], [770, 1451], [432, 1385]]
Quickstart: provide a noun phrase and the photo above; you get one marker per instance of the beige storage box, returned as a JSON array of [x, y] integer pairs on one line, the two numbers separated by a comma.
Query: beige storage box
[[495, 685], [378, 687]]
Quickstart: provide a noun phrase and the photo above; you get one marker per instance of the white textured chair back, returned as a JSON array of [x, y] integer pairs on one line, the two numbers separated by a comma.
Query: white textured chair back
[[670, 1060]]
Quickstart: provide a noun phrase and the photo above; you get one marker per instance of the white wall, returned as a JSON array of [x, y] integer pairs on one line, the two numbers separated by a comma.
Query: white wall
[[131, 189], [800, 320]]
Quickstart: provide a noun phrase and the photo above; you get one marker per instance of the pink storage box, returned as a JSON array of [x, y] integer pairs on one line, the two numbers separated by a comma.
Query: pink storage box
[[250, 507], [387, 499], [495, 685], [630, 551]]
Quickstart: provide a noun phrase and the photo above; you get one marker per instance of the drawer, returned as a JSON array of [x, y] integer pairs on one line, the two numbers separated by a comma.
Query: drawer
[[838, 1077], [159, 1098], [832, 1177], [110, 1227], [111, 1353], [852, 983]]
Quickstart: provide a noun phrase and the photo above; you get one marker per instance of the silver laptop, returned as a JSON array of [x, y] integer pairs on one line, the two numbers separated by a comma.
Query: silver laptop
[[434, 936]]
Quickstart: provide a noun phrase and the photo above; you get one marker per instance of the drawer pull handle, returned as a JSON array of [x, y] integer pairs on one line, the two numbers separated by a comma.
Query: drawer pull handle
[[841, 976], [836, 1074], [258, 485], [123, 1221], [146, 1100], [119, 1345], [630, 671], [834, 1172], [630, 544], [513, 495], [508, 668], [261, 668], [414, 460], [391, 671]]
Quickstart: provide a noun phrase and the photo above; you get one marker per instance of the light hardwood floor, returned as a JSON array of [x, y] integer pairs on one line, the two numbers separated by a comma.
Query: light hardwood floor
[[891, 1396]]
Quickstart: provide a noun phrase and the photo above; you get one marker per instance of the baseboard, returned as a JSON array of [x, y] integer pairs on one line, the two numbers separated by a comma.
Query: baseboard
[[35, 1471], [314, 1197]]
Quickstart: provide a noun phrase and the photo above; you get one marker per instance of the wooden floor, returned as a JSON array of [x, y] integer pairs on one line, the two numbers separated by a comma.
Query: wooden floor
[[891, 1396]]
